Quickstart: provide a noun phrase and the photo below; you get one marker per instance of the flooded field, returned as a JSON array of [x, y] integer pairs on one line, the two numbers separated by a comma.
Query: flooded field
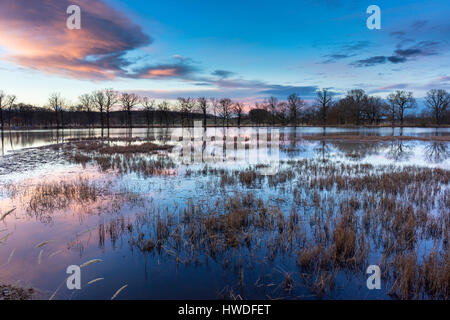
[[250, 213]]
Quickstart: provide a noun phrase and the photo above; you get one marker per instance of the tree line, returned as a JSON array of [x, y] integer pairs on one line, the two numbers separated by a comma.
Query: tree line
[[109, 108]]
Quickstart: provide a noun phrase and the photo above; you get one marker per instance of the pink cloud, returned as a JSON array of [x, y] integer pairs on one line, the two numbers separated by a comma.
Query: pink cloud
[[34, 35]]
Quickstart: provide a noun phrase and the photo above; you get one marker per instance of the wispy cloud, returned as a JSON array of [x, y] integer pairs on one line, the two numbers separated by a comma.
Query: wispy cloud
[[346, 50], [420, 49], [222, 74], [175, 70], [396, 86], [369, 62], [249, 91]]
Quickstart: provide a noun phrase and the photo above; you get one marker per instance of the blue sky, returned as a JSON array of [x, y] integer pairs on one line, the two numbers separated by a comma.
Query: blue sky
[[246, 50]]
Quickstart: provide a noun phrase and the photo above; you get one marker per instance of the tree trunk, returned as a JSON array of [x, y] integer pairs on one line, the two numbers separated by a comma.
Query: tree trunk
[[9, 118], [102, 120], [130, 121]]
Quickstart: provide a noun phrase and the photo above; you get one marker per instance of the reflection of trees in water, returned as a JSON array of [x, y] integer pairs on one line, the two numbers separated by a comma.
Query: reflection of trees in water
[[30, 138], [357, 150], [292, 138], [436, 152], [291, 142], [322, 151], [164, 135], [399, 151], [3, 143], [150, 135]]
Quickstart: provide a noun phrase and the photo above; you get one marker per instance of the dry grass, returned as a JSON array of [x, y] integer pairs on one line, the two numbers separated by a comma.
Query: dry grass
[[337, 215], [322, 218], [46, 198]]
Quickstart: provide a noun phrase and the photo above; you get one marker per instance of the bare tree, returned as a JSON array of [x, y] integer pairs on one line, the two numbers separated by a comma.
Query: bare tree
[[358, 100], [87, 103], [99, 101], [11, 100], [391, 110], [187, 105], [203, 105], [215, 107], [401, 101], [437, 101], [129, 101], [324, 101], [272, 104], [238, 109], [295, 105], [111, 99], [56, 103], [374, 109], [283, 112], [2, 104], [225, 110], [149, 108], [163, 109]]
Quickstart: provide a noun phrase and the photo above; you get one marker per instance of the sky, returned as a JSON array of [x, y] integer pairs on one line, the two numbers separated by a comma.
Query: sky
[[246, 50]]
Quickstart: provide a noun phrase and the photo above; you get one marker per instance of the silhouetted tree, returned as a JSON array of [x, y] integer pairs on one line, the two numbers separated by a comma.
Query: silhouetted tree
[[111, 99], [203, 105], [295, 105], [87, 103], [186, 105], [437, 101], [282, 113], [56, 103], [215, 104], [358, 100], [99, 101], [374, 109], [238, 109], [225, 110], [2, 104], [129, 101], [149, 108], [163, 109], [324, 101], [272, 104], [401, 101], [259, 115], [11, 100]]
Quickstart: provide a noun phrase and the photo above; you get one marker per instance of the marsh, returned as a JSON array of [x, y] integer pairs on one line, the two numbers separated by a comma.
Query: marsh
[[167, 218]]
